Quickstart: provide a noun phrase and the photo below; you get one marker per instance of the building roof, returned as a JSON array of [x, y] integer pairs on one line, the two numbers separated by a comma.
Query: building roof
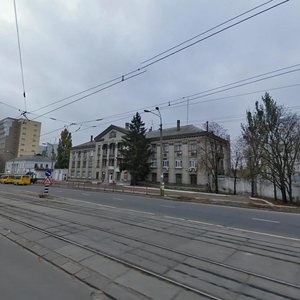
[[172, 133], [108, 129], [35, 158], [87, 145]]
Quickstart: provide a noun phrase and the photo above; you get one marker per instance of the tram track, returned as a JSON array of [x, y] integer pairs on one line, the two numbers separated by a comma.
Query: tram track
[[274, 280], [221, 237]]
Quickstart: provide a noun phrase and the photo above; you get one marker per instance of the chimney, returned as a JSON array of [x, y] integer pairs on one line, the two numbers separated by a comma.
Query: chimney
[[150, 129], [178, 125], [92, 138], [126, 125]]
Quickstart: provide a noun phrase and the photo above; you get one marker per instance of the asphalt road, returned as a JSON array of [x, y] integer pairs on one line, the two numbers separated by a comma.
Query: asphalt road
[[262, 221]]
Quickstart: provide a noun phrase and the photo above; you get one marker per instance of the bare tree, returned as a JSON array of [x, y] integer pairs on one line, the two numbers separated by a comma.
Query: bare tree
[[273, 137], [237, 158], [212, 157]]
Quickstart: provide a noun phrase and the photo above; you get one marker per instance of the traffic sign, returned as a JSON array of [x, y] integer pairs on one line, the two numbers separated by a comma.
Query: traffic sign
[[48, 173]]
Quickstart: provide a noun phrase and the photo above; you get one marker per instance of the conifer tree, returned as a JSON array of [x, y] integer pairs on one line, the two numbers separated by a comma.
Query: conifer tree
[[136, 151]]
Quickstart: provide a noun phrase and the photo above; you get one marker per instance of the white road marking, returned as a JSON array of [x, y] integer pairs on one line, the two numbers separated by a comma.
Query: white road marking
[[119, 199], [170, 217], [266, 234], [264, 220], [85, 194], [204, 223], [169, 206], [139, 211]]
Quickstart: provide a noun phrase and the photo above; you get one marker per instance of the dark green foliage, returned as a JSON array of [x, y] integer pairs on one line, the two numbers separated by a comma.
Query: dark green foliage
[[136, 151], [63, 150]]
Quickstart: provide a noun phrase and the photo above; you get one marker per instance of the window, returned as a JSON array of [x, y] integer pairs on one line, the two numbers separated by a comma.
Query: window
[[178, 163], [165, 147], [192, 146], [177, 147], [153, 164], [104, 161], [46, 165], [192, 163], [165, 163], [153, 148]]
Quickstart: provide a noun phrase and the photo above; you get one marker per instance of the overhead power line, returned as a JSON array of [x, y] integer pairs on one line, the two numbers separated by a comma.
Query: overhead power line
[[20, 56], [211, 35], [206, 31], [93, 93], [145, 66]]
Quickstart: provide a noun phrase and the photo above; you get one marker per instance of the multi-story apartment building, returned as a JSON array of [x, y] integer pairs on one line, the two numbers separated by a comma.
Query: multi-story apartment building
[[186, 156], [100, 158], [18, 137]]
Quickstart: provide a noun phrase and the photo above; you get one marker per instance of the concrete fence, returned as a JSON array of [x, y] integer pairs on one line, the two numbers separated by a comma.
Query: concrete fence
[[264, 188]]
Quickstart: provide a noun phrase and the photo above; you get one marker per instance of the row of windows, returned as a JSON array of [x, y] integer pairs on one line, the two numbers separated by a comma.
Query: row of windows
[[192, 146], [178, 163], [178, 178]]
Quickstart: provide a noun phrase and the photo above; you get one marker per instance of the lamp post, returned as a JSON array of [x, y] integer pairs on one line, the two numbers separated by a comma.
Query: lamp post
[[162, 185]]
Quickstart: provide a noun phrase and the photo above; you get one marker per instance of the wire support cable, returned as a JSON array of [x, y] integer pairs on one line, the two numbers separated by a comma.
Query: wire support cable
[[20, 58], [211, 35]]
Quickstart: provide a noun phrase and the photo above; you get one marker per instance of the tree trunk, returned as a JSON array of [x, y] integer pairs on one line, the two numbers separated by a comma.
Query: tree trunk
[[283, 192], [253, 187], [216, 185], [234, 184], [275, 190]]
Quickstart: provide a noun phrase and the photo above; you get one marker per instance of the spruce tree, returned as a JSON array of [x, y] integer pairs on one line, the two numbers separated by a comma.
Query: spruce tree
[[136, 151]]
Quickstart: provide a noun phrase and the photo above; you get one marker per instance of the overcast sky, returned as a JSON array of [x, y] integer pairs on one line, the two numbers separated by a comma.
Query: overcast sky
[[69, 46]]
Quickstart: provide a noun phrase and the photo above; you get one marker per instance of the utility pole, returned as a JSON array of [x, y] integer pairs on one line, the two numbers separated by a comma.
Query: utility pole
[[162, 184]]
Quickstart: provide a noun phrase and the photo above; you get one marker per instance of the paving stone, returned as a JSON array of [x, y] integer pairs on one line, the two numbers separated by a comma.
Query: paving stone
[[18, 228], [203, 249], [34, 235], [149, 286], [210, 285], [52, 243], [71, 267], [40, 251], [118, 292], [104, 266], [279, 290], [51, 256], [13, 236], [60, 261], [98, 281], [99, 296], [74, 252], [83, 273], [265, 266], [143, 262], [186, 295]]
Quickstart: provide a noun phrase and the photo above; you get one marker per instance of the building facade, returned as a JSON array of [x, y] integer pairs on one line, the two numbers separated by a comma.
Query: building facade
[[186, 157], [28, 163], [100, 158], [18, 137]]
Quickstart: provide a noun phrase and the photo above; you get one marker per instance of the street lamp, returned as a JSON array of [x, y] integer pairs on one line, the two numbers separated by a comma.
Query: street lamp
[[162, 186]]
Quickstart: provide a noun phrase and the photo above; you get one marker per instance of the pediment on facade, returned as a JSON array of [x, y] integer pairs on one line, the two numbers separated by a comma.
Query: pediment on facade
[[110, 132]]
